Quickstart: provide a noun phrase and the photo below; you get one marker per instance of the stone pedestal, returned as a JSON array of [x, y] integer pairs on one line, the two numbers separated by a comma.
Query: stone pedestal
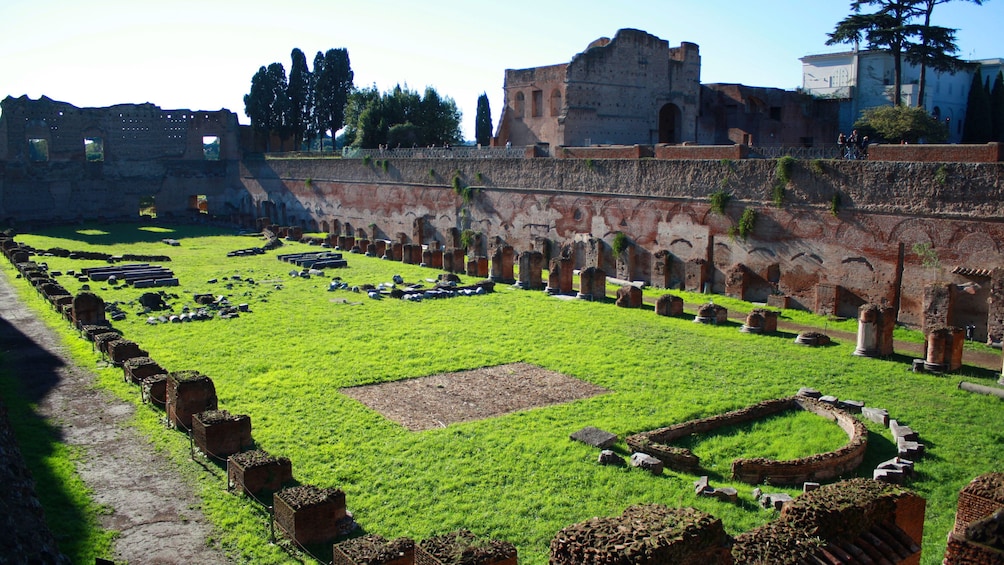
[[435, 259], [662, 262], [155, 390], [827, 299], [695, 275], [138, 368], [308, 514], [88, 308], [559, 279], [875, 326], [188, 393], [629, 296], [736, 281], [592, 284], [121, 350], [944, 349], [669, 305], [258, 473], [408, 254], [502, 265], [220, 434], [531, 265], [396, 251], [381, 247]]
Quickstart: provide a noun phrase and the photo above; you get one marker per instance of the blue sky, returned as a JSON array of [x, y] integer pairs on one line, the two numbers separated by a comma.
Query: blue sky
[[201, 55]]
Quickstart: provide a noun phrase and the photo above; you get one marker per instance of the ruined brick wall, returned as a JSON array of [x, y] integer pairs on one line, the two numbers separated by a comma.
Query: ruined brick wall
[[989, 153], [534, 102], [750, 115], [663, 206], [614, 92]]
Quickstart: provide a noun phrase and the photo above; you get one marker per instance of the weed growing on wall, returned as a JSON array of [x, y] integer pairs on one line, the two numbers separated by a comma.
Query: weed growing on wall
[[782, 172], [620, 243], [816, 167], [746, 223], [941, 175], [835, 203], [719, 200], [367, 160]]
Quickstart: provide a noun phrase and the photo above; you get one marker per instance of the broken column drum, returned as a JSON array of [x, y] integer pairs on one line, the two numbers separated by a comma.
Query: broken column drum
[[944, 349], [875, 326]]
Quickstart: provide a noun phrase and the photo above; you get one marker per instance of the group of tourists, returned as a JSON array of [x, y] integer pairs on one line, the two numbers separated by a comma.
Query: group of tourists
[[853, 146]]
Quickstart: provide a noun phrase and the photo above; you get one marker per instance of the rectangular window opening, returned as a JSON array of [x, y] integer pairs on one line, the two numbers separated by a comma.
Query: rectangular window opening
[[147, 207], [38, 150], [537, 108], [198, 203], [211, 147], [94, 149]]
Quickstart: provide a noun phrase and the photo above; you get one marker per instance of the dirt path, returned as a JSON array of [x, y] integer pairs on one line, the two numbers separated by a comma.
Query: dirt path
[[154, 509]]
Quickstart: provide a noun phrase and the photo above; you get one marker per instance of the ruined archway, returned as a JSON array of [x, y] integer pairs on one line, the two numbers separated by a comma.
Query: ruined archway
[[669, 124]]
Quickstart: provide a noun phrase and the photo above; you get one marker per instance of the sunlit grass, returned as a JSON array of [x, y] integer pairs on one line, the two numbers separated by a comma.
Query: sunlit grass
[[515, 477]]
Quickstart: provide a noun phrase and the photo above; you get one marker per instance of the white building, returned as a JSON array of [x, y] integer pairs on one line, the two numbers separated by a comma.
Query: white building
[[864, 79]]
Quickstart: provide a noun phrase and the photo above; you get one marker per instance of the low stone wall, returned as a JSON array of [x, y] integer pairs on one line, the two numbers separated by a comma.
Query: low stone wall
[[820, 467], [988, 153]]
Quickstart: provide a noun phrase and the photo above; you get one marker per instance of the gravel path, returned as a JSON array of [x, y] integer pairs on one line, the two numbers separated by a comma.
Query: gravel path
[[154, 509]]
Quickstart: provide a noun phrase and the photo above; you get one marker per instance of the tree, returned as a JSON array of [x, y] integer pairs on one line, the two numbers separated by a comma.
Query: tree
[[997, 108], [260, 103], [401, 117], [936, 48], [483, 121], [902, 123], [299, 97], [978, 125], [331, 91], [885, 29], [281, 108]]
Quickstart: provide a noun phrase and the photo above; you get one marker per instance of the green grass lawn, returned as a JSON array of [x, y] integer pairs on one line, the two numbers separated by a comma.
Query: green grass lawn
[[516, 477]]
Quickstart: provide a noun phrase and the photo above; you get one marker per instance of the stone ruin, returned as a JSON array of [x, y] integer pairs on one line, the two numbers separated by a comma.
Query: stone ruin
[[456, 548], [188, 393], [820, 467], [669, 305], [644, 535], [629, 296], [88, 308], [760, 320], [711, 313], [531, 265], [850, 522], [942, 349], [311, 515], [258, 473], [219, 434], [977, 537]]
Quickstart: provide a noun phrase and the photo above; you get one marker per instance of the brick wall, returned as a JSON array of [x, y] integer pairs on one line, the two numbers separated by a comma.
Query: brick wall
[[989, 153]]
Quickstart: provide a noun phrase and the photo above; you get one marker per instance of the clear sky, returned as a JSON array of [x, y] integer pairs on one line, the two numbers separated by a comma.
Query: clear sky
[[201, 54]]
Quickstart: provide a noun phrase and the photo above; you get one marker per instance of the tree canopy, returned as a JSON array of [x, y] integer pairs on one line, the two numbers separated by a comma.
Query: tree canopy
[[978, 126], [306, 106], [904, 29], [401, 118], [902, 123]]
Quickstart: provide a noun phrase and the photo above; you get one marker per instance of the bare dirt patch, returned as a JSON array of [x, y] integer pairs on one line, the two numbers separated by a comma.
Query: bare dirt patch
[[439, 400]]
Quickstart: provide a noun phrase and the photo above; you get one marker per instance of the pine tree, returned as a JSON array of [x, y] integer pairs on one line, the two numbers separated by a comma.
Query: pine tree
[[978, 125], [298, 89]]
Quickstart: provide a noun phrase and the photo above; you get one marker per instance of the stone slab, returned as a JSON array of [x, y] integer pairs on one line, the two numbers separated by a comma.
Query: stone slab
[[877, 415], [595, 437], [647, 462]]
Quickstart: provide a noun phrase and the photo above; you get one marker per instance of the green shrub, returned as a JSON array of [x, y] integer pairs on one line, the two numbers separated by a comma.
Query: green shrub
[[816, 166], [777, 194], [590, 165], [479, 176], [746, 223], [385, 165], [620, 243], [941, 175], [719, 200], [366, 160], [467, 238], [835, 203], [432, 173], [783, 169]]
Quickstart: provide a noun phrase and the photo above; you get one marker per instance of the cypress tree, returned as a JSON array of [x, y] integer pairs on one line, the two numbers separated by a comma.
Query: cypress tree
[[978, 126], [483, 121]]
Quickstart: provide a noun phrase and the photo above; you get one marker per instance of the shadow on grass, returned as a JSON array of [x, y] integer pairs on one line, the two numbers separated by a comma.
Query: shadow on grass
[[126, 233], [26, 377]]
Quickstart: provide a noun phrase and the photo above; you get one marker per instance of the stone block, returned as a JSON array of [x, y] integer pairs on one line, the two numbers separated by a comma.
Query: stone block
[[775, 500], [809, 392], [852, 406], [647, 462], [258, 473], [877, 415], [911, 450], [531, 265], [726, 494], [188, 393], [595, 437], [809, 486], [899, 464], [121, 350], [154, 390], [309, 514], [138, 368], [669, 305], [592, 284], [902, 432], [829, 399], [220, 434], [608, 457], [629, 296], [891, 476]]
